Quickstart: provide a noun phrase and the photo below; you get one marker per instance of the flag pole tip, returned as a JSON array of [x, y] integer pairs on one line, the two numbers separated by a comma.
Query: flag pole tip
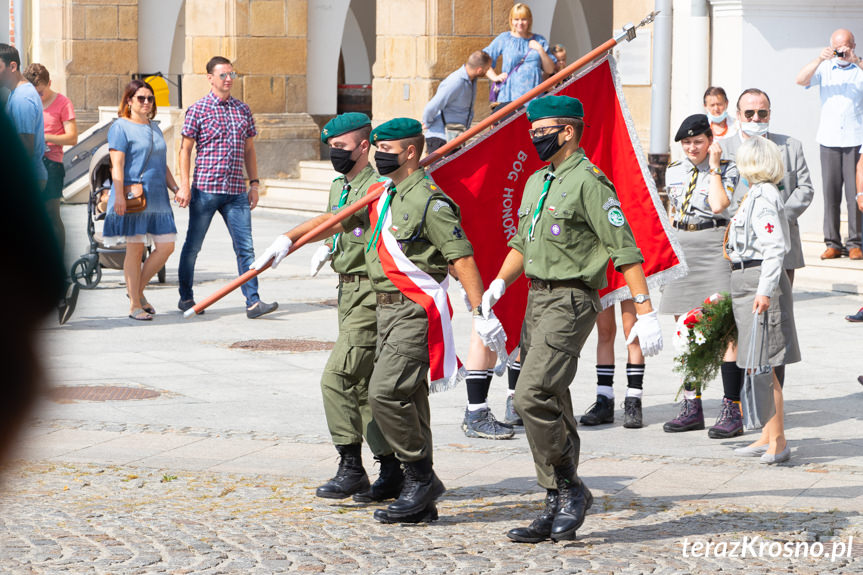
[[189, 313]]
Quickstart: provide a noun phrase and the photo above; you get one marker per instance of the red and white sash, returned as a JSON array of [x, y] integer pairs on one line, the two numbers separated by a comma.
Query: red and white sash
[[424, 290]]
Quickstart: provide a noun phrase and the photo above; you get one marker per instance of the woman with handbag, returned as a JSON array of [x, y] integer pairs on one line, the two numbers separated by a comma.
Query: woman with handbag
[[140, 210], [524, 58], [756, 243]]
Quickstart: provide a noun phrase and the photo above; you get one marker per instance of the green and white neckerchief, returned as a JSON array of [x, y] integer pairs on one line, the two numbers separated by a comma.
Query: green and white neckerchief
[[381, 217], [549, 176], [342, 199]]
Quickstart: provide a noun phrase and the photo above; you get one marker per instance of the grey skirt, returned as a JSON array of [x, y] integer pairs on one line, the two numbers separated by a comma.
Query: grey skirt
[[782, 346], [709, 271]]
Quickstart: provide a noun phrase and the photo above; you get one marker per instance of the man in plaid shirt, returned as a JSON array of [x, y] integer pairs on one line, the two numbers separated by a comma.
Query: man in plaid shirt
[[223, 129]]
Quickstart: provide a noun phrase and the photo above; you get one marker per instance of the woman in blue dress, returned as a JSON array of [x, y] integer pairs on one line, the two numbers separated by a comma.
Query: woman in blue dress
[[138, 155], [525, 56]]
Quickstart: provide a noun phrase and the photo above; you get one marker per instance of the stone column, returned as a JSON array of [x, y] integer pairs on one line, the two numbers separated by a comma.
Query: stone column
[[420, 42], [266, 41]]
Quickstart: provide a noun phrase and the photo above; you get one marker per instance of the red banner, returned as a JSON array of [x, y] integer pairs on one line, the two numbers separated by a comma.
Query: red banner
[[487, 179]]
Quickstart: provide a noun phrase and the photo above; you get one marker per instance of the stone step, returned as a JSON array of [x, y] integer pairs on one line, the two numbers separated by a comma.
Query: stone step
[[317, 171], [302, 195], [841, 274]]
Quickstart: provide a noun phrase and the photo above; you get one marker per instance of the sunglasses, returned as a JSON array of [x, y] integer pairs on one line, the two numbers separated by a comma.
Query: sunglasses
[[762, 114], [145, 99], [545, 130], [226, 75]]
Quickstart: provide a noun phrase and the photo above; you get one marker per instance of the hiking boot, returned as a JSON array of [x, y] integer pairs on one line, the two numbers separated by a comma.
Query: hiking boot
[[575, 500], [260, 308], [600, 412], [729, 423], [421, 489], [350, 478], [481, 423], [511, 416], [389, 483], [690, 417], [632, 413], [540, 528]]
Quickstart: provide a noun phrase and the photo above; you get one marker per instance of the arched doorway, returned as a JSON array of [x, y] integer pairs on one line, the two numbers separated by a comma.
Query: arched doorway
[[340, 58]]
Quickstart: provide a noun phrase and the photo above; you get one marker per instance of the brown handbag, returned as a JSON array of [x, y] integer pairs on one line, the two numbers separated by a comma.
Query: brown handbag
[[136, 199]]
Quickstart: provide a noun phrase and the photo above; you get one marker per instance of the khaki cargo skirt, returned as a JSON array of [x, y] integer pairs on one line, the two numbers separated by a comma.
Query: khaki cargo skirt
[[782, 346], [709, 271]]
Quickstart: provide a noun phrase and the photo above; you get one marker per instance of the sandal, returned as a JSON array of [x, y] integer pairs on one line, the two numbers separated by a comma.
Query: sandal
[[145, 305], [140, 315]]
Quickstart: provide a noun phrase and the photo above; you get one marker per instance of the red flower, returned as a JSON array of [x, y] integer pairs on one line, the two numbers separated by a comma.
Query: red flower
[[693, 317]]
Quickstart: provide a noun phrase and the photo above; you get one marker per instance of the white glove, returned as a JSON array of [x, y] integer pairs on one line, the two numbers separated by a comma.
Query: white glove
[[322, 254], [491, 333], [463, 295], [276, 252], [494, 292], [646, 329]]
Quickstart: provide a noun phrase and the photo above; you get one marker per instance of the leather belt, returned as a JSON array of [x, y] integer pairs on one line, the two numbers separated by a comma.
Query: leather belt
[[742, 265], [388, 298], [700, 226], [350, 278], [537, 284]]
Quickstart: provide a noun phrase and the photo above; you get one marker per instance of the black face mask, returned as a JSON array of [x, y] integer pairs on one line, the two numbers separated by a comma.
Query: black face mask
[[386, 162], [341, 160], [547, 145]]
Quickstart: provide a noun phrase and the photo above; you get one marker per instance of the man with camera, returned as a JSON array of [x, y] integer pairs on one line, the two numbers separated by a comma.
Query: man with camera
[[840, 132]]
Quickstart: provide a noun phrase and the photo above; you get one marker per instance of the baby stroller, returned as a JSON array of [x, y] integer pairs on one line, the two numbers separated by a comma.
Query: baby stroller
[[87, 270]]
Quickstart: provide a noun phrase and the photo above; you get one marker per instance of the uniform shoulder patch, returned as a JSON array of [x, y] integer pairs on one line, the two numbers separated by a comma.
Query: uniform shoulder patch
[[611, 203], [615, 217]]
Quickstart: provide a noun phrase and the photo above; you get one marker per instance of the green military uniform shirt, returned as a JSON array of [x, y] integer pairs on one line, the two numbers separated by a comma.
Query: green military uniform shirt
[[348, 257], [426, 223], [578, 227]]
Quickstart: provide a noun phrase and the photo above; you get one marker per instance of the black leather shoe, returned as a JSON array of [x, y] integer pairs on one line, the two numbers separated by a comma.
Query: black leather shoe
[[600, 412], [427, 515], [857, 317], [67, 304], [260, 308], [540, 528], [350, 478], [389, 483], [421, 489], [575, 500]]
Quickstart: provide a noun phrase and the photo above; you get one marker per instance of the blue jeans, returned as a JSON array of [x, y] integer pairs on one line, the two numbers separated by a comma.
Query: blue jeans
[[235, 211]]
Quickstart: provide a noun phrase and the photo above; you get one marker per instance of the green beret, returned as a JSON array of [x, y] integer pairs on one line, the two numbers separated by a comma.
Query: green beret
[[396, 129], [344, 123], [554, 107]]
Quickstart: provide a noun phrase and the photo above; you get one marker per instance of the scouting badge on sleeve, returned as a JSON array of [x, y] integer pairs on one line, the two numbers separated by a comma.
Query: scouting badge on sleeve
[[615, 216]]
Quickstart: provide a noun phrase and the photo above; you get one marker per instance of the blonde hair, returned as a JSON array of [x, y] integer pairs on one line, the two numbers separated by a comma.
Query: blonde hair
[[521, 10], [759, 160]]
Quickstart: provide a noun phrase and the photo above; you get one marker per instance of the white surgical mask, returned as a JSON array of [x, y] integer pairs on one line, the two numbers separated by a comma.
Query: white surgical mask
[[716, 119], [753, 129], [841, 63]]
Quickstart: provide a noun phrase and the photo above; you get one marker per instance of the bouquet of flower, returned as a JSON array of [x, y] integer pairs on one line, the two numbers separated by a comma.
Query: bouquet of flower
[[701, 338]]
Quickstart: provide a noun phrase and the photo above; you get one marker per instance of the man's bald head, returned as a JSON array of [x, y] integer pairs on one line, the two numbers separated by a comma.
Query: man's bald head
[[842, 38]]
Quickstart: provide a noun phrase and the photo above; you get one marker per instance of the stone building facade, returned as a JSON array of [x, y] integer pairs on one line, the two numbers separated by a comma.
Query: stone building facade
[[300, 61]]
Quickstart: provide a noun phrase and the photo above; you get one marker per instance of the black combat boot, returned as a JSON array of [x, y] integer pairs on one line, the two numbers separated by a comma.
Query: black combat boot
[[427, 515], [389, 483], [575, 500], [350, 478], [421, 488], [540, 528]]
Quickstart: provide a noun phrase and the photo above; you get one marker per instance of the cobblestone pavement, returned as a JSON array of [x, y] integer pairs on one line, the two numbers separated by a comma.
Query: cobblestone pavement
[[84, 518]]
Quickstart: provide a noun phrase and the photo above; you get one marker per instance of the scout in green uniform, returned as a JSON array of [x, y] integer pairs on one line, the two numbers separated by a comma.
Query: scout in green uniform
[[427, 227], [345, 381], [570, 224]]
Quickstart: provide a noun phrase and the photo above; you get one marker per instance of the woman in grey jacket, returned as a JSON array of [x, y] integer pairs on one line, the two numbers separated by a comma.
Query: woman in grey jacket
[[756, 245]]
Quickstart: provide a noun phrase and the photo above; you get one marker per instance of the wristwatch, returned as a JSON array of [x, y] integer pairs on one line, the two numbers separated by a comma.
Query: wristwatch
[[477, 311], [641, 298], [716, 171]]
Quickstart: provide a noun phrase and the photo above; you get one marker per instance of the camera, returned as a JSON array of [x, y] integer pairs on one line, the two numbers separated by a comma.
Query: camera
[[840, 54]]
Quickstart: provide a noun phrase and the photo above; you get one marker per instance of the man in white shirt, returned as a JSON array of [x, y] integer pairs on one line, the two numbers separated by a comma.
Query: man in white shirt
[[840, 133]]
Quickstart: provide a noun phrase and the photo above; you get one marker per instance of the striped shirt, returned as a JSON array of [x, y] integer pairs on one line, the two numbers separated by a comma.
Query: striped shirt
[[220, 129]]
